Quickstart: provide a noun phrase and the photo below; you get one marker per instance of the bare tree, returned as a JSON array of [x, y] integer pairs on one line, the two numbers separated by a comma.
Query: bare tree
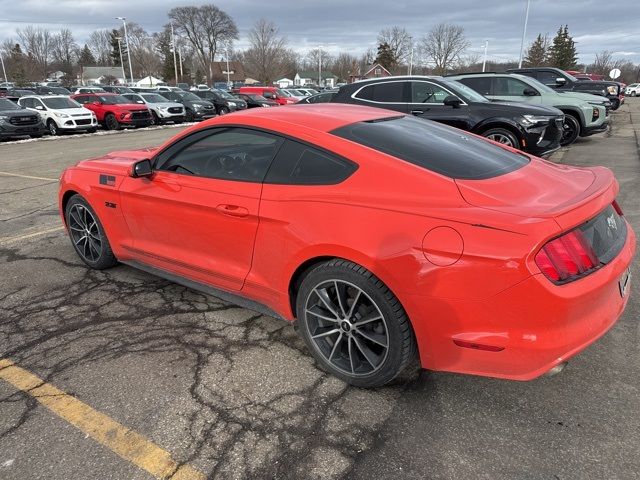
[[399, 42], [603, 63], [312, 59], [206, 28], [37, 42], [63, 48], [142, 46], [345, 65], [264, 58], [443, 46], [100, 44]]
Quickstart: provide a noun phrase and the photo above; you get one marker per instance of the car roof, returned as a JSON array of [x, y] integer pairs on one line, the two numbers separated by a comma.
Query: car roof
[[43, 97]]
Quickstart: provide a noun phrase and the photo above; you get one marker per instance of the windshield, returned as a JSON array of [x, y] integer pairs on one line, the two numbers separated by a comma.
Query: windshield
[[189, 96], [8, 105], [154, 98], [114, 99], [257, 98], [282, 93], [60, 103], [459, 88]]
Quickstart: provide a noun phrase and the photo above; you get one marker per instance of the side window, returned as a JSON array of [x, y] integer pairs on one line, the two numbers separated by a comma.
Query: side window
[[37, 103], [389, 92], [548, 78], [226, 153], [425, 92], [268, 94], [300, 164], [508, 87], [26, 102], [82, 99], [481, 85]]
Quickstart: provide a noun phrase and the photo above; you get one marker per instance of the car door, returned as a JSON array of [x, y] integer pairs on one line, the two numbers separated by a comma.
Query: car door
[[197, 215], [512, 89], [427, 101]]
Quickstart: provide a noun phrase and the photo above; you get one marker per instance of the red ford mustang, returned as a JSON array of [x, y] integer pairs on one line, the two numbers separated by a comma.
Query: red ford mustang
[[380, 233]]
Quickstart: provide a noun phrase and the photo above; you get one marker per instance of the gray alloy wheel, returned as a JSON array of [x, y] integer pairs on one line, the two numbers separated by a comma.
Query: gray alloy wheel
[[502, 136], [111, 122], [87, 234], [353, 325], [570, 130], [223, 111], [53, 128], [633, 94]]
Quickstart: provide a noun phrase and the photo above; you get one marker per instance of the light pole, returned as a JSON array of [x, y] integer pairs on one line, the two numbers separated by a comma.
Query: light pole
[[410, 71], [319, 65], [4, 72], [173, 47], [524, 33], [124, 75], [126, 39], [484, 61], [228, 72]]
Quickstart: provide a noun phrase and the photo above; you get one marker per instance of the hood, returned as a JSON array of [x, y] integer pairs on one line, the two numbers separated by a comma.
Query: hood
[[586, 97], [73, 111], [540, 189], [131, 107], [519, 108], [118, 162], [166, 105]]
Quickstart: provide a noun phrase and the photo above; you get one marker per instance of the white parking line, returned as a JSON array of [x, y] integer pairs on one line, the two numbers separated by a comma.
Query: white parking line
[[4, 241], [28, 176]]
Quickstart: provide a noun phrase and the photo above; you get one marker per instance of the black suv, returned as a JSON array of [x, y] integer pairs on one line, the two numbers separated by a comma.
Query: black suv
[[195, 107], [223, 101], [534, 129], [565, 82], [16, 121]]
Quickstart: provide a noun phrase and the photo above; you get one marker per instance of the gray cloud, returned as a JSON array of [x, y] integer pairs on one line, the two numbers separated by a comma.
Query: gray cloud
[[353, 25]]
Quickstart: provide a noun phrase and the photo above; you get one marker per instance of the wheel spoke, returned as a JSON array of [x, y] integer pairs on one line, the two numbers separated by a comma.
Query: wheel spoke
[[76, 218], [94, 247], [76, 228], [84, 237], [322, 316], [372, 317], [324, 297], [353, 370], [335, 346], [373, 337], [342, 297], [324, 334], [353, 305], [366, 353]]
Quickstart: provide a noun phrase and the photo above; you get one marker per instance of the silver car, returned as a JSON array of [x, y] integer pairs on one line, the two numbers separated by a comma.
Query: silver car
[[162, 110]]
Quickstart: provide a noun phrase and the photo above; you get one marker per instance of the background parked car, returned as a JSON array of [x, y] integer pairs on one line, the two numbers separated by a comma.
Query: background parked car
[[195, 107], [117, 89], [322, 97], [16, 121], [61, 113], [633, 89], [183, 86], [51, 90], [271, 93], [88, 90], [308, 91], [582, 118], [16, 93], [534, 129], [254, 100], [162, 110], [298, 95], [223, 101], [115, 111]]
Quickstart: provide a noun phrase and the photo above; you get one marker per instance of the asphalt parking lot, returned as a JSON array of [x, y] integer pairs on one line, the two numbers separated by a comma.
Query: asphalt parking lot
[[121, 375]]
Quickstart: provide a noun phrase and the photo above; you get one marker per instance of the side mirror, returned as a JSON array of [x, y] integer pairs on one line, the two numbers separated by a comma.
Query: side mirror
[[529, 92], [39, 107], [142, 168], [561, 81], [96, 102], [139, 101], [452, 101]]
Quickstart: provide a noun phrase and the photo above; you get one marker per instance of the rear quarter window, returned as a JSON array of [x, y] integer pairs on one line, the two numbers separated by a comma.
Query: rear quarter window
[[444, 150]]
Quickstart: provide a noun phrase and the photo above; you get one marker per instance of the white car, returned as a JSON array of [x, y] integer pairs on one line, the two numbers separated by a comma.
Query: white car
[[88, 90], [162, 110], [61, 113], [308, 91], [166, 88], [200, 87], [293, 93], [633, 90]]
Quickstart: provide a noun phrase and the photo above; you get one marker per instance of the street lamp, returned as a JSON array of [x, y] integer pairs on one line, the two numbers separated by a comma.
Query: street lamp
[[4, 72], [126, 39], [124, 75], [484, 61], [410, 71], [319, 65], [228, 72], [524, 33], [173, 47]]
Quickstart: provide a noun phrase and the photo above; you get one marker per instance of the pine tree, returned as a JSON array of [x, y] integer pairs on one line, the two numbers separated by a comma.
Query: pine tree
[[562, 53], [385, 56], [115, 48], [536, 54], [86, 58]]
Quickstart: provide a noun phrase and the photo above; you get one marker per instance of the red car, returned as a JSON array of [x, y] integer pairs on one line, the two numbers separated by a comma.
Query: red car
[[270, 93], [115, 111], [379, 232]]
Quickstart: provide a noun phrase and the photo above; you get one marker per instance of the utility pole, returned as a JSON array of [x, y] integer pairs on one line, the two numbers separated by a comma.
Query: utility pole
[[484, 61], [4, 72], [410, 71], [173, 47], [319, 65], [126, 40], [180, 59], [228, 72], [124, 75], [524, 33]]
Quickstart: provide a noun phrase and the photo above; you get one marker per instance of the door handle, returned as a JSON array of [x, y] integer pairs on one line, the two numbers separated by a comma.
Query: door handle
[[417, 112], [232, 210]]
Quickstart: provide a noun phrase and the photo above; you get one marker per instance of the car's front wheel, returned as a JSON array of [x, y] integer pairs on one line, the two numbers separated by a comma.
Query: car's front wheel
[[353, 324], [87, 234], [570, 130], [155, 119], [52, 127], [190, 116], [223, 111], [502, 136], [111, 122]]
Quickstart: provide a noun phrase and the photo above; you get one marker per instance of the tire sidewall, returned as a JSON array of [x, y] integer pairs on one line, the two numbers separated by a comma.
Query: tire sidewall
[[507, 133], [576, 126], [393, 363], [103, 261], [111, 122], [53, 128]]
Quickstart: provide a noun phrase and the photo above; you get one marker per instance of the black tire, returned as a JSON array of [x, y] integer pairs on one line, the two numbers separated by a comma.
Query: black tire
[[633, 94], [92, 130], [223, 111], [53, 128], [111, 123], [36, 135], [155, 119], [347, 352], [95, 250], [503, 136], [615, 104], [570, 130], [189, 116]]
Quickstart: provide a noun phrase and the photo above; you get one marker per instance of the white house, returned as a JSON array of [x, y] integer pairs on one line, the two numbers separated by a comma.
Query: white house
[[90, 75], [303, 78], [284, 82]]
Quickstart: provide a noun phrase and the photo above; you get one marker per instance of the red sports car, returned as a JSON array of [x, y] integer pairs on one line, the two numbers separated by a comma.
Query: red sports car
[[382, 234]]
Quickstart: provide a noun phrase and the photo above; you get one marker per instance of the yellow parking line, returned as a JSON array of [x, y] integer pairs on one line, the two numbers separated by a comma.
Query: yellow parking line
[[128, 444], [28, 176], [16, 238]]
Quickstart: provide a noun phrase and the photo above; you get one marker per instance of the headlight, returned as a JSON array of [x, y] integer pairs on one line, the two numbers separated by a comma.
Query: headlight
[[232, 104], [266, 105], [62, 115], [163, 109], [4, 118], [530, 120]]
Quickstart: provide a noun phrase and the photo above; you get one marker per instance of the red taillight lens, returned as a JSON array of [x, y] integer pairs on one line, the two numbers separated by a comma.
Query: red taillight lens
[[567, 257]]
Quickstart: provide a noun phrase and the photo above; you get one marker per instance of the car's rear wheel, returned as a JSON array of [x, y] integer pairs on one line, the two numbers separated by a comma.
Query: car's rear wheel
[[87, 234], [223, 111], [570, 130], [52, 127], [353, 324], [111, 122], [502, 136]]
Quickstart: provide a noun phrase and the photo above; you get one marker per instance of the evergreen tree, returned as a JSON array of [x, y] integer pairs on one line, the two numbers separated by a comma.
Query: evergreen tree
[[115, 48], [536, 54], [165, 50], [562, 53], [385, 56], [86, 58]]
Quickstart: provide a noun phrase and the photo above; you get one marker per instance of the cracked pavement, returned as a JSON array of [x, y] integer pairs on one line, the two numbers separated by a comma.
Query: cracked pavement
[[234, 393]]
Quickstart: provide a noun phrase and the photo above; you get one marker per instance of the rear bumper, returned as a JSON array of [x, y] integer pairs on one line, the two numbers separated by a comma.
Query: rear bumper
[[535, 324]]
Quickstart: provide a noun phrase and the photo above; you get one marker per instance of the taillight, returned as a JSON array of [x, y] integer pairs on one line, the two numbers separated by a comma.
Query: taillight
[[567, 257]]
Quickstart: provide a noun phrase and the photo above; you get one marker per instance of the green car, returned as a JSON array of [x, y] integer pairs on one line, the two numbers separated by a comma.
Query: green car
[[585, 114]]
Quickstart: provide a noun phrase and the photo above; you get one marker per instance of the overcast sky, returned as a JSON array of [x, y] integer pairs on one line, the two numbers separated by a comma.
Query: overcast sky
[[353, 25]]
